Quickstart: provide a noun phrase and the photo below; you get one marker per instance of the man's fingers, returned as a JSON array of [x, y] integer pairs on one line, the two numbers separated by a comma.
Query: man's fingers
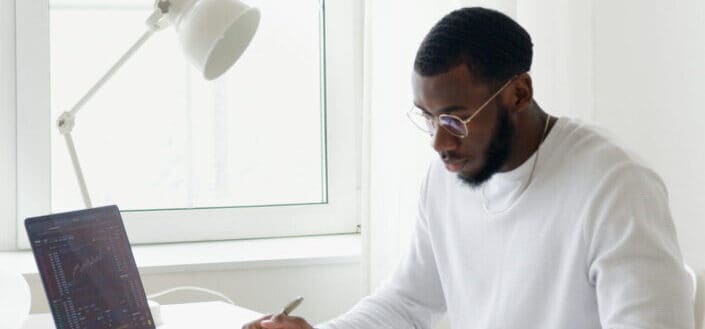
[[273, 323], [278, 317], [281, 321], [256, 323]]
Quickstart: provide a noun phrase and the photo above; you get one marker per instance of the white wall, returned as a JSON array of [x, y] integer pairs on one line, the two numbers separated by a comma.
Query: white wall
[[328, 290]]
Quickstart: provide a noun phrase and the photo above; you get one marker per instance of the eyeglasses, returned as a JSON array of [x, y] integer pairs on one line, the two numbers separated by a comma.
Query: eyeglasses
[[451, 123]]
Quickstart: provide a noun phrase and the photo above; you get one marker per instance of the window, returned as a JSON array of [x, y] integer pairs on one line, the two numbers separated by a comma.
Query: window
[[269, 149]]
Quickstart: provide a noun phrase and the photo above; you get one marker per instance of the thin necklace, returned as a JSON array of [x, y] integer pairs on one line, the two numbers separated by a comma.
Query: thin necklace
[[528, 181]]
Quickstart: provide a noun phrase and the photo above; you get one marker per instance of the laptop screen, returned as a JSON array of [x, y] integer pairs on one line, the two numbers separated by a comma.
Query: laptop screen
[[88, 271]]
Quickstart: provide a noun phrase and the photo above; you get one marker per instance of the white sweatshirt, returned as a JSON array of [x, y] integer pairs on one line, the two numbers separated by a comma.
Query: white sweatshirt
[[590, 244]]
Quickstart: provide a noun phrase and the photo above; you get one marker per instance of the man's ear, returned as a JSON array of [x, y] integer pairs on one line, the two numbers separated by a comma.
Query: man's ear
[[522, 93]]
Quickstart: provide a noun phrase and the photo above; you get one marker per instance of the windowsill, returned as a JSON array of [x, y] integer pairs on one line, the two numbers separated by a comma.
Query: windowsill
[[226, 255]]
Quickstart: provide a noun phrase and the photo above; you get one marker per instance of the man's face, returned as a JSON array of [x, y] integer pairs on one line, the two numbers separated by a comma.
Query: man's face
[[488, 145]]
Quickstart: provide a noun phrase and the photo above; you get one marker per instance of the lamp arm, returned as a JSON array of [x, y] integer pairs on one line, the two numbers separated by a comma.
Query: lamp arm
[[137, 45], [66, 121], [77, 170]]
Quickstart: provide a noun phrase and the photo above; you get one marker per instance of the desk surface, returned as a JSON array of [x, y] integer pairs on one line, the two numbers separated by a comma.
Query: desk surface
[[212, 315]]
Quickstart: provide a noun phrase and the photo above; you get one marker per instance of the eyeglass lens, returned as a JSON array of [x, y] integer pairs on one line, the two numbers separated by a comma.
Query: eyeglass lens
[[453, 125], [429, 124]]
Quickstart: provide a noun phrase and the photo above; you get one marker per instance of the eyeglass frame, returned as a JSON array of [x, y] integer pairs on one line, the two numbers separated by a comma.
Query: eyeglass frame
[[435, 121]]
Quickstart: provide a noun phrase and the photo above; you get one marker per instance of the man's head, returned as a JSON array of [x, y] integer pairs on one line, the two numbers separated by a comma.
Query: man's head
[[465, 59]]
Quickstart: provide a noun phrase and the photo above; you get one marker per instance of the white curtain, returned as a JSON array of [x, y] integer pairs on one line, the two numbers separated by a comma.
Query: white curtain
[[562, 69], [398, 152]]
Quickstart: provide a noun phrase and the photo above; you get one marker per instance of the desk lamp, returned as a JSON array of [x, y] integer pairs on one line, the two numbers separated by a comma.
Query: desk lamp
[[213, 35]]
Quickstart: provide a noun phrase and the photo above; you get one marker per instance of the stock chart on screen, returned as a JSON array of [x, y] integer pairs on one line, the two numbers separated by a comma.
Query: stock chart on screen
[[88, 270]]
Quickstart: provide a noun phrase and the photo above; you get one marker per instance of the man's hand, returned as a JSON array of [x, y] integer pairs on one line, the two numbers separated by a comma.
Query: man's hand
[[279, 321]]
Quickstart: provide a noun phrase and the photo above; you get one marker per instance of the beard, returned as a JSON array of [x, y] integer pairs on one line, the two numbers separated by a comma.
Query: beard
[[497, 152]]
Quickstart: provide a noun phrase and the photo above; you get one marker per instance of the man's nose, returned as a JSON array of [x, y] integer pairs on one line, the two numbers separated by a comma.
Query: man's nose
[[443, 141]]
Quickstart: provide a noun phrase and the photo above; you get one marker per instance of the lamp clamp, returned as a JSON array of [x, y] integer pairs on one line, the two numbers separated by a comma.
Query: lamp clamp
[[157, 20], [163, 6], [66, 122]]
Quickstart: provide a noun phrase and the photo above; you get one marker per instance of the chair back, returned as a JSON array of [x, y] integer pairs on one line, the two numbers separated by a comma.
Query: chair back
[[698, 296]]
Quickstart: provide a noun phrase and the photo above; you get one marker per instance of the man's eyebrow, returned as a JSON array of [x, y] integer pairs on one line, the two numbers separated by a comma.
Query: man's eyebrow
[[422, 109], [451, 109], [447, 109]]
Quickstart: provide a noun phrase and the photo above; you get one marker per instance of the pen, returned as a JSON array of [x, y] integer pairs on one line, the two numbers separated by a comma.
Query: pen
[[287, 309], [291, 306]]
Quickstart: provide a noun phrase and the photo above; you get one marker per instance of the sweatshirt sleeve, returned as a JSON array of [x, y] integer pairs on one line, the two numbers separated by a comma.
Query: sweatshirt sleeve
[[411, 298], [633, 257]]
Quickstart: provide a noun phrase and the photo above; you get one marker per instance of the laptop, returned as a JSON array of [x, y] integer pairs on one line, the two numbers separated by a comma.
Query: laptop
[[88, 270]]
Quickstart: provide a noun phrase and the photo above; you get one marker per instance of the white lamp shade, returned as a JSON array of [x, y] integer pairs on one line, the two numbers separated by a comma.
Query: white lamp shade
[[214, 33], [15, 299]]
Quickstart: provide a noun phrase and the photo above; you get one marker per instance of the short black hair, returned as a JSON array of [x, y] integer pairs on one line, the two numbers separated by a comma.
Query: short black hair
[[493, 46]]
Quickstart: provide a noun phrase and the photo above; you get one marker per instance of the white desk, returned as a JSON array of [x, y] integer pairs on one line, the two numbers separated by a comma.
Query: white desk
[[212, 315]]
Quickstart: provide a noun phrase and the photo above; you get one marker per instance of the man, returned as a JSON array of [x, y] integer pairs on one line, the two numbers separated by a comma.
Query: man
[[526, 220]]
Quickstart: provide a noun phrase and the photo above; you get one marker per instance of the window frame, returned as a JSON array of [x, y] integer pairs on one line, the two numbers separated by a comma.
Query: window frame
[[8, 139], [342, 79]]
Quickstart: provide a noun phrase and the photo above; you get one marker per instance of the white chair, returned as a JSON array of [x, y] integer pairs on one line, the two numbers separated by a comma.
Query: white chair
[[698, 297]]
